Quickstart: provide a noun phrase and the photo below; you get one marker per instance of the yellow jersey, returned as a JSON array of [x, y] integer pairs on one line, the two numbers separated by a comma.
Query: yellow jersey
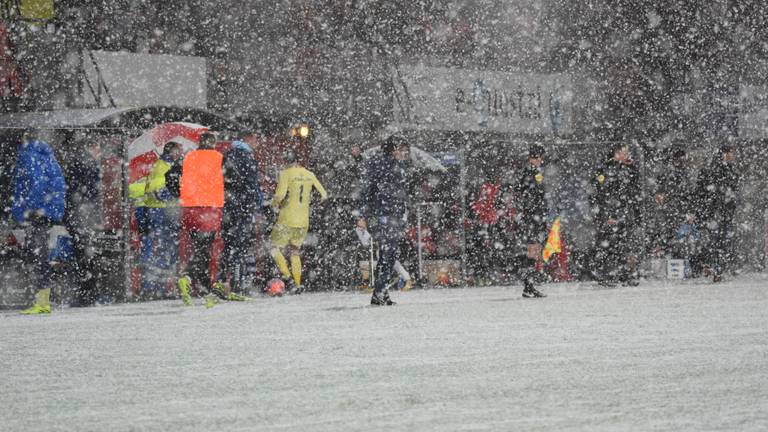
[[293, 196]]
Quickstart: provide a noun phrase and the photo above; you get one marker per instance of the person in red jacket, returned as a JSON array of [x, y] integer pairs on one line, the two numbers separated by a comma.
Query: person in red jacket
[[484, 256], [12, 80], [201, 198]]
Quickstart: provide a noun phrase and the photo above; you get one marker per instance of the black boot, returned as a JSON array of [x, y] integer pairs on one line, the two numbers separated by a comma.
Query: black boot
[[292, 288], [530, 292], [381, 299]]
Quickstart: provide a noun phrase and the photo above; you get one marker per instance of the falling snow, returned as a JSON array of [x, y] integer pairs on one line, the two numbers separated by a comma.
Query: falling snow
[[612, 155]]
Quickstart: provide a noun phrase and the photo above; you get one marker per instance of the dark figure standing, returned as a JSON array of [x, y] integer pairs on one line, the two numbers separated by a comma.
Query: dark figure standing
[[242, 201], [716, 194], [531, 219], [82, 175], [617, 208], [673, 199], [384, 198]]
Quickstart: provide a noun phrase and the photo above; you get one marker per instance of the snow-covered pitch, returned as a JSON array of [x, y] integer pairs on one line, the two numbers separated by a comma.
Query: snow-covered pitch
[[661, 356]]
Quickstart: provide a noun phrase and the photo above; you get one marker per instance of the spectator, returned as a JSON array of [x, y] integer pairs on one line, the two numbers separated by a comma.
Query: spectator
[[484, 255], [38, 203], [717, 194], [385, 203], [617, 209], [673, 197], [82, 174], [242, 201], [12, 82], [201, 199], [163, 217]]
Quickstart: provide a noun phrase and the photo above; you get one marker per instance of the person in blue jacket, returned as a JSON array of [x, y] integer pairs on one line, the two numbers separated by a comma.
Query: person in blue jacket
[[384, 197], [38, 203]]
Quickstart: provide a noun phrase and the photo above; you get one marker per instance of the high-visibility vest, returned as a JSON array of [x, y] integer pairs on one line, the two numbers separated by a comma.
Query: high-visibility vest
[[202, 180], [136, 191], [156, 184]]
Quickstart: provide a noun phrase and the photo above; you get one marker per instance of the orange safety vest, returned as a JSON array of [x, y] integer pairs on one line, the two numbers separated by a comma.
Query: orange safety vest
[[202, 181]]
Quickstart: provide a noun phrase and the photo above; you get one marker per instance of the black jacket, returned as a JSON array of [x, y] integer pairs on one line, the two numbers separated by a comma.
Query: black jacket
[[676, 185], [384, 188], [531, 206], [618, 193], [716, 192], [173, 178], [242, 193], [82, 175]]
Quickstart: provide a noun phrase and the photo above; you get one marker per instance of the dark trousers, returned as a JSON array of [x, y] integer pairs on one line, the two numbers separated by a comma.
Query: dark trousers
[[199, 262], [85, 273], [388, 233], [525, 268], [143, 225], [612, 250], [36, 253], [164, 234], [718, 252], [160, 262], [483, 256], [237, 234]]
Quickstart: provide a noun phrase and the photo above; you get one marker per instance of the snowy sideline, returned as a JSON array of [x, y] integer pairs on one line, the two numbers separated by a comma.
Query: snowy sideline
[[662, 356]]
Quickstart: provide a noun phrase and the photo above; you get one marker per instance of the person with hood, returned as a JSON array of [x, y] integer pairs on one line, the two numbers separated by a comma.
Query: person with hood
[[616, 206], [384, 203], [243, 200], [201, 199], [531, 219], [163, 216], [717, 199], [293, 196], [38, 202], [673, 198]]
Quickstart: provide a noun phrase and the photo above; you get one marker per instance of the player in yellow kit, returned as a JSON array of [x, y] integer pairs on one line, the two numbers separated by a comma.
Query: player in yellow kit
[[292, 198]]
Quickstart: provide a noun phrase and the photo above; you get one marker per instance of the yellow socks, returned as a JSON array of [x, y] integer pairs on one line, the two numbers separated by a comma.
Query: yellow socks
[[282, 263], [296, 269]]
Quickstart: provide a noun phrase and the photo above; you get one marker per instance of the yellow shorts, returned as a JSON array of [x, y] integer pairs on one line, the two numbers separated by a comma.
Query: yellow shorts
[[282, 236]]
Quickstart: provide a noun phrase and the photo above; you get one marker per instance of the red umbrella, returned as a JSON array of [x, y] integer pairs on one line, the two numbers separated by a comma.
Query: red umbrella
[[145, 150]]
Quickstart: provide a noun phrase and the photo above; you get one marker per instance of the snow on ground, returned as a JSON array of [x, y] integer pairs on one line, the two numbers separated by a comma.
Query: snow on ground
[[661, 356]]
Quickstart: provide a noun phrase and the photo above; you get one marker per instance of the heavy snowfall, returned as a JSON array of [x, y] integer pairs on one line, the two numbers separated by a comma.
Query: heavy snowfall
[[383, 215]]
